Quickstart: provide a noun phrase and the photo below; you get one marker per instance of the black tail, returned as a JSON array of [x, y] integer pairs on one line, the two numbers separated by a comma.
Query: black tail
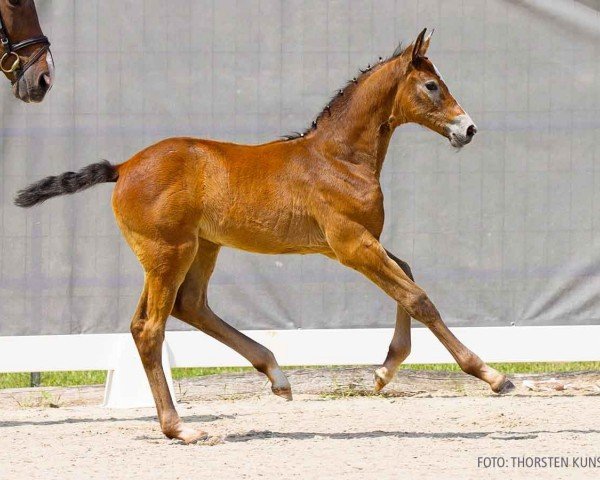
[[68, 182]]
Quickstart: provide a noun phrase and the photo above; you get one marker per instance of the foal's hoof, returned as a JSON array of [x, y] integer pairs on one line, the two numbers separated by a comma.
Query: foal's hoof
[[283, 393], [280, 385], [188, 435], [194, 436], [505, 387], [382, 378]]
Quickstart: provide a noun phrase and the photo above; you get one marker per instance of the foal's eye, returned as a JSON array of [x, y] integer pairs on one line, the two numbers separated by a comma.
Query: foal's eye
[[431, 86]]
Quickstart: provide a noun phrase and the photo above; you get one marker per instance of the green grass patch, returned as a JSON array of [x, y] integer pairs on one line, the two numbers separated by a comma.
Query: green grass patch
[[94, 377], [180, 373], [54, 379], [512, 368]]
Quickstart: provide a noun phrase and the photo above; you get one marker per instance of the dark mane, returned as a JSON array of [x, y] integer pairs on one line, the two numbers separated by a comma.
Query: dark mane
[[342, 96]]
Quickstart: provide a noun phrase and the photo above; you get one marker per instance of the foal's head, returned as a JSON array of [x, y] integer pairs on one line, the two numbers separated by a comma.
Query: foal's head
[[424, 98]]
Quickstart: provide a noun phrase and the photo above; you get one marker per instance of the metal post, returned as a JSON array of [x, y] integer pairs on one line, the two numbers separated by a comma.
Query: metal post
[[35, 379]]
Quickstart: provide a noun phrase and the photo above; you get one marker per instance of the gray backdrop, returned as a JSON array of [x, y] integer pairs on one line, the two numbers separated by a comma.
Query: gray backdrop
[[507, 230]]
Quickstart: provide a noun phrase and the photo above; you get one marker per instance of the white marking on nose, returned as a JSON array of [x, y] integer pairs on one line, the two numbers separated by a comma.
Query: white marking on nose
[[462, 121], [458, 130]]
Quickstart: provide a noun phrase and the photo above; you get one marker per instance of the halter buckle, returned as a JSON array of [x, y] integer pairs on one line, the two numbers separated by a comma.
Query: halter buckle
[[15, 65]]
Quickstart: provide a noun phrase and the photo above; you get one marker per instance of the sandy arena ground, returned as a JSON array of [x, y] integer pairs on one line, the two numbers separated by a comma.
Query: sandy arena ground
[[427, 425]]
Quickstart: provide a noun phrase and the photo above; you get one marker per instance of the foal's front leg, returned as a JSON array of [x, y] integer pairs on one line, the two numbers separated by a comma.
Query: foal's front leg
[[400, 344], [398, 351], [357, 248]]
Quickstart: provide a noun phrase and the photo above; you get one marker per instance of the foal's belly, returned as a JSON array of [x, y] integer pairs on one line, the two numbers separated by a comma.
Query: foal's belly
[[270, 234]]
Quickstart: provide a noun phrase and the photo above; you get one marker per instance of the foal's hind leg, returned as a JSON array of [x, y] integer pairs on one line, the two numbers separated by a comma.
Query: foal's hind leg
[[165, 267], [400, 344], [192, 307]]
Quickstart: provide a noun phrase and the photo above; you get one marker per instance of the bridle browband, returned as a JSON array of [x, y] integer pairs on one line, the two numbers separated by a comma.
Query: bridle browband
[[10, 50]]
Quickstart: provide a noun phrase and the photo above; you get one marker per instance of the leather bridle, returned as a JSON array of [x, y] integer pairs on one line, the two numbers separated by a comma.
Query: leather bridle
[[10, 55]]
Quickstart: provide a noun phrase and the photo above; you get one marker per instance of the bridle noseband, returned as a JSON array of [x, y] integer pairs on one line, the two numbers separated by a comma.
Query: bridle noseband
[[10, 53]]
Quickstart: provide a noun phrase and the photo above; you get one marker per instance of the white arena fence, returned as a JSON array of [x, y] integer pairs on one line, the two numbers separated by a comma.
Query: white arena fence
[[127, 387]]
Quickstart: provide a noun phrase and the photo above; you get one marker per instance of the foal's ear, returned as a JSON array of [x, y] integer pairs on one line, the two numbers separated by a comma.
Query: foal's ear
[[425, 46], [417, 50]]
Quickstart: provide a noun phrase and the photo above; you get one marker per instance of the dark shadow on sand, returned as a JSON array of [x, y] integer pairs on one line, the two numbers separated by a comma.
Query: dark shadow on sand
[[494, 435], [148, 418]]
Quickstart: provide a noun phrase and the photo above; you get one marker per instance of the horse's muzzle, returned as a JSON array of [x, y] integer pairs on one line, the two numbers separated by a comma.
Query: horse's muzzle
[[461, 131], [36, 81]]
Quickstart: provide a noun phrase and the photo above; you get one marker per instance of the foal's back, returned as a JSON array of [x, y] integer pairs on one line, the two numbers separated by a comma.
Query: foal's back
[[252, 197]]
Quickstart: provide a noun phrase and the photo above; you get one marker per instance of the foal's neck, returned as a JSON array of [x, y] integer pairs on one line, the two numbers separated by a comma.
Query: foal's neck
[[360, 131]]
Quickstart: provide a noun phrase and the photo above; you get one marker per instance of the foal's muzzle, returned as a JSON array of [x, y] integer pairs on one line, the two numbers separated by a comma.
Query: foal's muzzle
[[461, 131]]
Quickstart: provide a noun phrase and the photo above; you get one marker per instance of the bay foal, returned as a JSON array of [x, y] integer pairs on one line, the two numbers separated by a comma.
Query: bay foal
[[179, 201]]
